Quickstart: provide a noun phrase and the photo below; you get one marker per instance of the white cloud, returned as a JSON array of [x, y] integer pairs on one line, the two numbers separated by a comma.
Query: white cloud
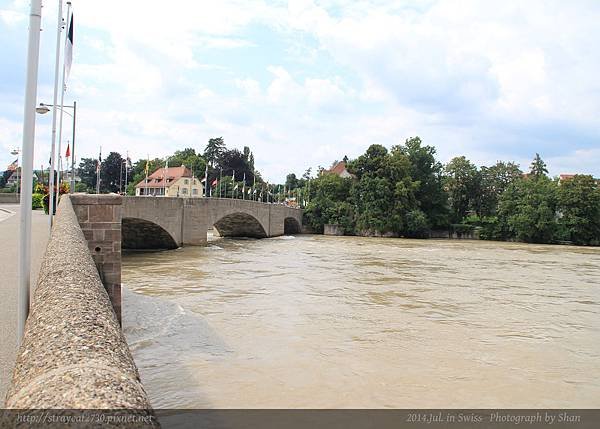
[[487, 82]]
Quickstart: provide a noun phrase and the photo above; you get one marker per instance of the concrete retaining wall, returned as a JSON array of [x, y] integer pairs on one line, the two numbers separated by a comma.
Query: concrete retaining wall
[[333, 229], [73, 353], [9, 198]]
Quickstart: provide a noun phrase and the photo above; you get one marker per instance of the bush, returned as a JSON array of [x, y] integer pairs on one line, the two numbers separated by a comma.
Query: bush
[[417, 225], [37, 201]]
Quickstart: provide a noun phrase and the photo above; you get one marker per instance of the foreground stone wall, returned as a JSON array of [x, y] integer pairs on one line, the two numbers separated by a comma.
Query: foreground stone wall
[[73, 353]]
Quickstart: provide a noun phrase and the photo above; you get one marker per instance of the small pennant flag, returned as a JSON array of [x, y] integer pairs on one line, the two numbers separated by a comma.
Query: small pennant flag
[[214, 182], [68, 154]]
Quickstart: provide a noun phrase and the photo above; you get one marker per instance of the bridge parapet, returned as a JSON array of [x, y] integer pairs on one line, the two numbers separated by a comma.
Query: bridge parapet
[[73, 353]]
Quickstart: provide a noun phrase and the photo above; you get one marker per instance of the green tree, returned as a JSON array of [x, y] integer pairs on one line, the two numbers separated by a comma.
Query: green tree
[[213, 151], [190, 159], [111, 173], [527, 210], [291, 181], [330, 203], [538, 167], [494, 181], [426, 171], [463, 183], [87, 172], [579, 208], [234, 160]]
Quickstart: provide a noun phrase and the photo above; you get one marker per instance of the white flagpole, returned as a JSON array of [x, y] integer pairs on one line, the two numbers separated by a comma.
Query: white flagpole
[[62, 102], [205, 180], [54, 102], [232, 184], [33, 59], [244, 187]]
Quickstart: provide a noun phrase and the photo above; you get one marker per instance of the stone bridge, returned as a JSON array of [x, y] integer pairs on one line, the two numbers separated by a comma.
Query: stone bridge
[[159, 222]]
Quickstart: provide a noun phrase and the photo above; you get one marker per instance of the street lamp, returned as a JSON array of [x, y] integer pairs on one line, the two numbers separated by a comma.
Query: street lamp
[[45, 108], [17, 152]]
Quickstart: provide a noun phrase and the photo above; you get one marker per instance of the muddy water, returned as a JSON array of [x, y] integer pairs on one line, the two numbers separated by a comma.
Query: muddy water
[[328, 322]]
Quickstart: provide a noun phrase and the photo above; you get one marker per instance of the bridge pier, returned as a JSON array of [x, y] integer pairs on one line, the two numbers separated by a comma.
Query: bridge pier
[[99, 217]]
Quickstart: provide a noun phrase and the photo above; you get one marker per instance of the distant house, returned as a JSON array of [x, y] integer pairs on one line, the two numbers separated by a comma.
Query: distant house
[[15, 177], [338, 168], [563, 177], [170, 182]]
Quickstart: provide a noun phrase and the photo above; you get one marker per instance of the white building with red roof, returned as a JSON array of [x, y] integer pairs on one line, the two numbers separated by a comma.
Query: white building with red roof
[[170, 182]]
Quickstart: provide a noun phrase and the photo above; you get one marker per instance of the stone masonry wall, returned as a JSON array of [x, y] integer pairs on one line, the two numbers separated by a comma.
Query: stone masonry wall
[[74, 354], [100, 219]]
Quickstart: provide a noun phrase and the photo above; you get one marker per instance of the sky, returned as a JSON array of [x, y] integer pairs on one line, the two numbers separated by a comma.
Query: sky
[[305, 82]]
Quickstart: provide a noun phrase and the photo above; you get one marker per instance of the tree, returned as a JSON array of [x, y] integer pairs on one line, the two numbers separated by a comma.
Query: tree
[[110, 173], [190, 159], [291, 181], [230, 161], [494, 181], [426, 171], [538, 167], [330, 203], [87, 172], [462, 182], [527, 210], [579, 208], [214, 150]]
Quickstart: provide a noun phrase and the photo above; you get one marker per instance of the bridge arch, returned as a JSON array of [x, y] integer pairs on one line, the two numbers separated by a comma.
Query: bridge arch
[[291, 226], [240, 224], [143, 234]]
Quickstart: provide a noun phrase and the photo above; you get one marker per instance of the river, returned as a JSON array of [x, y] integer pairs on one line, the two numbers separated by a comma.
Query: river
[[350, 322]]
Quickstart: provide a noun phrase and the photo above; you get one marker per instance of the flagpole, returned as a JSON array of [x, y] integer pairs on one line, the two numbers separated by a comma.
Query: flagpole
[[232, 184], [126, 166], [221, 184], [27, 151], [73, 149], [205, 179], [98, 167], [62, 102], [55, 100]]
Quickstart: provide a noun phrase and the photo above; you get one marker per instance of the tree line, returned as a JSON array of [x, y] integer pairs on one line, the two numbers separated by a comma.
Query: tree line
[[120, 175], [406, 191]]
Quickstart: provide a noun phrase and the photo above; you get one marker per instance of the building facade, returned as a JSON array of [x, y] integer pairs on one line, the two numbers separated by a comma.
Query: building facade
[[171, 182]]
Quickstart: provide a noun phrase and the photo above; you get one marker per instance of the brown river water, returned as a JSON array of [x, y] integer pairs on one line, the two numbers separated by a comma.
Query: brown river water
[[350, 322]]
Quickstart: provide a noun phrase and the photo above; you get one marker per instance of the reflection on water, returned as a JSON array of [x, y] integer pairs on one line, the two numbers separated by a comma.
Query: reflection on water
[[336, 322]]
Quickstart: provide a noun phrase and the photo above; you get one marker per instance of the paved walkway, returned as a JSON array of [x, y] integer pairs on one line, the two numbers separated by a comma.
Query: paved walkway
[[9, 251]]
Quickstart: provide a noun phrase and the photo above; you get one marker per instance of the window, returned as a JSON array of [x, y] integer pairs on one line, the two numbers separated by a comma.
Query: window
[[186, 181], [194, 191], [184, 191]]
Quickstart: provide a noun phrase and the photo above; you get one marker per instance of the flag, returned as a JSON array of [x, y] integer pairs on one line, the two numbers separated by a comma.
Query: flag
[[98, 167], [235, 187], [13, 165], [100, 155], [68, 154], [214, 182], [69, 50], [147, 166]]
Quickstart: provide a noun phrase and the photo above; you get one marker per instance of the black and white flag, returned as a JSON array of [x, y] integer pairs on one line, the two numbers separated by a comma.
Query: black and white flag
[[69, 50]]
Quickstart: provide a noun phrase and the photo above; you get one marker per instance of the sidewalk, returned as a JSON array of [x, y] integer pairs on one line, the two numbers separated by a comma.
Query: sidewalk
[[9, 251]]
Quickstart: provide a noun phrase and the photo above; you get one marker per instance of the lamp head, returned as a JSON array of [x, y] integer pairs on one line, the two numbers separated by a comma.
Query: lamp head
[[42, 109]]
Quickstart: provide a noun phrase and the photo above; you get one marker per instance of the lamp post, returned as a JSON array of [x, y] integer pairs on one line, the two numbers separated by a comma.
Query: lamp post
[[17, 152], [45, 108]]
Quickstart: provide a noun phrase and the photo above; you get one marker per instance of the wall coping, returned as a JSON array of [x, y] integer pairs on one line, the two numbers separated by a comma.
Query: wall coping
[[73, 354]]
